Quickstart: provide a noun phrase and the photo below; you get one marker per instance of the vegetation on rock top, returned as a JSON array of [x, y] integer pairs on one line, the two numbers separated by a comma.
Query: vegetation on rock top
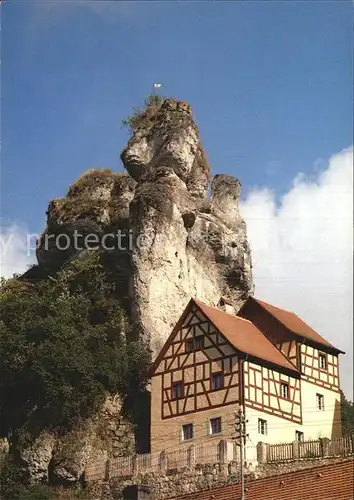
[[94, 178], [141, 116]]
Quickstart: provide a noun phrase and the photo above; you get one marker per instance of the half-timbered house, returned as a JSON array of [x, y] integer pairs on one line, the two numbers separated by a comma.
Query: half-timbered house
[[315, 358], [214, 363]]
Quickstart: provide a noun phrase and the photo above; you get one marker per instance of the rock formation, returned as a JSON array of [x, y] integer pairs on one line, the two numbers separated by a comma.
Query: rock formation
[[175, 241], [62, 459], [165, 236]]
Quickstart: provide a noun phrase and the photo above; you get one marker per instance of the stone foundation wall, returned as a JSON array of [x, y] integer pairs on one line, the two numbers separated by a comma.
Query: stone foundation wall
[[189, 480]]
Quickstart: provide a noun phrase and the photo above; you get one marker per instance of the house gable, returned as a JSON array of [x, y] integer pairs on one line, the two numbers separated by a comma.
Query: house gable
[[273, 329], [207, 342], [319, 368], [189, 365], [280, 325], [248, 339], [306, 351]]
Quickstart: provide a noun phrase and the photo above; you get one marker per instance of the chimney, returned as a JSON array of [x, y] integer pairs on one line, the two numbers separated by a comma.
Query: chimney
[[137, 492], [226, 306]]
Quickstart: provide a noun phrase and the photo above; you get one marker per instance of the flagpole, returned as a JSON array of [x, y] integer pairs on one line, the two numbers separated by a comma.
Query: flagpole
[[155, 86]]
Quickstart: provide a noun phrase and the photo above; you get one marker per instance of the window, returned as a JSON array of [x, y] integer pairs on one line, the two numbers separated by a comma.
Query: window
[[177, 390], [299, 436], [199, 342], [189, 345], [187, 432], [284, 390], [262, 426], [215, 425], [323, 361], [217, 381], [320, 401], [195, 344]]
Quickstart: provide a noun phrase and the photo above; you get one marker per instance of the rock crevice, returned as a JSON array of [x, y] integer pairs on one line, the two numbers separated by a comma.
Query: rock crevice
[[165, 239], [161, 209]]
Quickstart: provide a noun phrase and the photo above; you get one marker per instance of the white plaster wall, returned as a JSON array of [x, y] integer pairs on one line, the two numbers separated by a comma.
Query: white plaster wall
[[320, 423], [315, 423], [279, 431]]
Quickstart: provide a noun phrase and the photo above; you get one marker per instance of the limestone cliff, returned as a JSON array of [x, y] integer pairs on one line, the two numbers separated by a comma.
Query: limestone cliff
[[168, 231], [194, 246], [176, 242]]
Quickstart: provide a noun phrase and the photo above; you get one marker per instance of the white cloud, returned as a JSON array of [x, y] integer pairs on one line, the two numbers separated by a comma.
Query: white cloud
[[15, 254], [302, 252]]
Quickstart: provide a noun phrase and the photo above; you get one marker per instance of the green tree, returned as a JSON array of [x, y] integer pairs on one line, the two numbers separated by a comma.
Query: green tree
[[347, 416], [63, 347]]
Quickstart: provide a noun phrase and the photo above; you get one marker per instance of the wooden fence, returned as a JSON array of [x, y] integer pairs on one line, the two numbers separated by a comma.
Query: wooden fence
[[222, 452], [341, 447], [279, 452], [205, 453]]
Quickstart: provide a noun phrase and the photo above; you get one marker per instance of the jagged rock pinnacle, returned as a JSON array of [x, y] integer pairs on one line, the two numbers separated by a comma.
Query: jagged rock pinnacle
[[183, 243], [169, 137]]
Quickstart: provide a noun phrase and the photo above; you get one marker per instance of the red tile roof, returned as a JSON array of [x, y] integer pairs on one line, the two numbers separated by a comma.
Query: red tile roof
[[240, 332], [328, 482], [295, 324], [244, 336]]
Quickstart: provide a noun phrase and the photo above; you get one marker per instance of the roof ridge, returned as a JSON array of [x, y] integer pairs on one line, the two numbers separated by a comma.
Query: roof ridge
[[224, 312], [296, 324], [278, 307], [286, 364], [286, 311]]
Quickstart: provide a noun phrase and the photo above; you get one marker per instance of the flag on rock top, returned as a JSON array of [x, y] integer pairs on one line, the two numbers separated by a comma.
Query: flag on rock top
[[157, 85]]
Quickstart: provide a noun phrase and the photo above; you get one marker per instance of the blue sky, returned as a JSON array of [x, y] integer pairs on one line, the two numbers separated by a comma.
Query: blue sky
[[269, 82], [271, 88]]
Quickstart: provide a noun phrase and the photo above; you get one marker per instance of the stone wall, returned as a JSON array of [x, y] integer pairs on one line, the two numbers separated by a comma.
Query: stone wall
[[203, 477], [107, 480]]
